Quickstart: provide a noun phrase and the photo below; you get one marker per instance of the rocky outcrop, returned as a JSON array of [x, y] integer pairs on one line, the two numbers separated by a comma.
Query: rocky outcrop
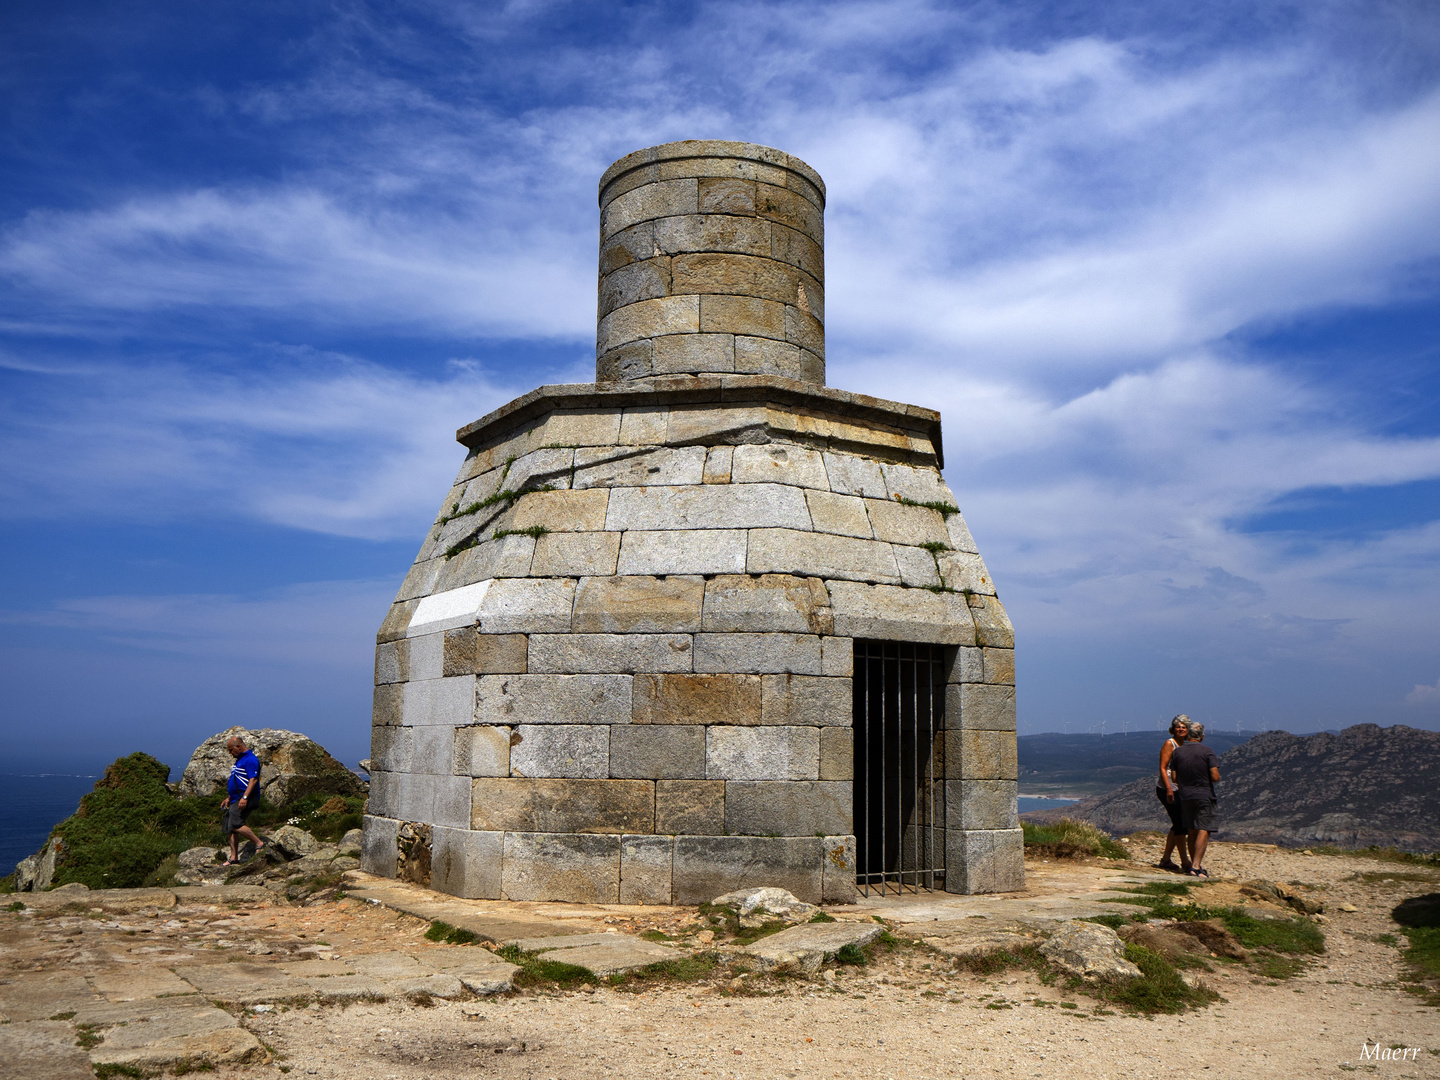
[[1366, 785], [292, 862], [757, 907], [291, 765], [1090, 951]]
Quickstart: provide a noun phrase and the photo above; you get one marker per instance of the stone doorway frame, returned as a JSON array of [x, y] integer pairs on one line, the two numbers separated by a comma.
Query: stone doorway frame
[[899, 691]]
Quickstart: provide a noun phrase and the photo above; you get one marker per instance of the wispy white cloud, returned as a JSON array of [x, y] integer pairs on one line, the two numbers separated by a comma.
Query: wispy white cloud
[[1424, 695], [317, 442]]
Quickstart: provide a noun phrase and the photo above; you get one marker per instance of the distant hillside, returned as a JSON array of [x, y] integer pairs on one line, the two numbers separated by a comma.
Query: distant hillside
[[1365, 785], [1055, 764]]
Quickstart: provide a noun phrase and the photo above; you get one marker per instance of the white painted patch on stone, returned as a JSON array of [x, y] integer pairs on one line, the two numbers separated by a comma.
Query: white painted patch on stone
[[446, 610]]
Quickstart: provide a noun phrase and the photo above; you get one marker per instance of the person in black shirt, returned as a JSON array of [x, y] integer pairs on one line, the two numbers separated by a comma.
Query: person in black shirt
[[1196, 771]]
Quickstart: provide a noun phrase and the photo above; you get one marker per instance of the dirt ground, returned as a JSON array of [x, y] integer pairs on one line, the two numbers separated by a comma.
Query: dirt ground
[[909, 1013]]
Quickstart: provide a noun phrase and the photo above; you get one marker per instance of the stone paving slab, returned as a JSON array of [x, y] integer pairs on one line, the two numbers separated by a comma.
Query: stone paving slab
[[807, 946], [561, 941], [136, 981], [389, 965], [350, 987], [971, 939], [225, 894], [316, 968], [481, 976], [40, 996], [620, 953], [116, 900], [441, 986], [43, 1050], [119, 901], [1051, 894], [242, 984], [232, 1045], [490, 920], [155, 1033]]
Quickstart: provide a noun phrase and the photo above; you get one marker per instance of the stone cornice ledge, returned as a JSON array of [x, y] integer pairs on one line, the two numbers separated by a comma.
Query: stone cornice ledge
[[703, 390]]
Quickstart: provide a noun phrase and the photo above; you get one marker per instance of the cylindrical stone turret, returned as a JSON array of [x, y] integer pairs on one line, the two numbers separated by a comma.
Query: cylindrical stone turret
[[712, 262]]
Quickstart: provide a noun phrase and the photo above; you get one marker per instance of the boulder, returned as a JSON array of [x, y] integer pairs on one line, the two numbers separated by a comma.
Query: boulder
[[295, 843], [805, 948], [975, 939], [1090, 951], [1168, 941], [200, 866], [1215, 937], [350, 843], [291, 765], [35, 873], [756, 907], [25, 873]]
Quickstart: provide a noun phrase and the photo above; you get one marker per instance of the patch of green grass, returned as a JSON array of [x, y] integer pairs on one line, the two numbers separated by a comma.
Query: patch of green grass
[[129, 824], [1279, 945], [1027, 956], [851, 955], [16, 906], [536, 531], [1160, 989], [453, 935], [535, 970], [1384, 854], [820, 916], [1114, 922], [655, 935], [1419, 919], [1066, 839], [1385, 939], [64, 1015], [683, 969], [106, 1071], [1381, 877], [935, 547], [1292, 936], [186, 1066], [945, 509], [1275, 966], [86, 1036]]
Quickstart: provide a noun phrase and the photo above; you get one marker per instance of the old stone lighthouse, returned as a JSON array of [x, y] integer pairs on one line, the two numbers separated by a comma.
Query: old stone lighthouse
[[705, 623]]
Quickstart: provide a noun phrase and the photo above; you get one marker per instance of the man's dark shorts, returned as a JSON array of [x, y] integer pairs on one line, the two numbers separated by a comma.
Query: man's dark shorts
[[235, 816], [1200, 814], [1173, 808]]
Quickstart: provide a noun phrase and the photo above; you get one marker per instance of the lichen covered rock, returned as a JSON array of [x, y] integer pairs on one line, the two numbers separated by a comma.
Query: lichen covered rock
[[291, 765]]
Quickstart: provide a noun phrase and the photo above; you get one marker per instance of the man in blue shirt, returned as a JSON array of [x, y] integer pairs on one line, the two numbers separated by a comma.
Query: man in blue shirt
[[240, 797]]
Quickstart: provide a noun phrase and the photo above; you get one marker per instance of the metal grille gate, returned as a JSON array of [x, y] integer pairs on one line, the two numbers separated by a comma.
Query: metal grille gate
[[899, 704]]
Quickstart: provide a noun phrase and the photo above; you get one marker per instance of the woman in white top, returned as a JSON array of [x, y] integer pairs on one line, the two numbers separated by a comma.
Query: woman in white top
[[1169, 797]]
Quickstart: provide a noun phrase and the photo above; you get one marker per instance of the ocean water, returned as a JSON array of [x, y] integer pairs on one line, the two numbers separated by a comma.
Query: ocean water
[[1039, 802], [30, 806]]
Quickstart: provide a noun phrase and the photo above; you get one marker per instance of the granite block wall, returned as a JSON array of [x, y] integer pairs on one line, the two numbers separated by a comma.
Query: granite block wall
[[620, 667]]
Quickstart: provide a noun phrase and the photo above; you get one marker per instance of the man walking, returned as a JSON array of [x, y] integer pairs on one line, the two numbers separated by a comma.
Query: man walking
[[1196, 771], [240, 797]]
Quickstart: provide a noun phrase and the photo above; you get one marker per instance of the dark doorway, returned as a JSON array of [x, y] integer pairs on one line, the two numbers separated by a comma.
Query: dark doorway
[[899, 704]]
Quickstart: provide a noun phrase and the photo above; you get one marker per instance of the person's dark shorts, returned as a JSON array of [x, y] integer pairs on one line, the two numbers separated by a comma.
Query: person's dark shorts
[[1199, 814], [235, 816], [1177, 822]]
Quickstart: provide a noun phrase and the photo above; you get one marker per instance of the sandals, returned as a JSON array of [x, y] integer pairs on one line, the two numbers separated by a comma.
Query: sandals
[[231, 862], [1199, 872], [1170, 865]]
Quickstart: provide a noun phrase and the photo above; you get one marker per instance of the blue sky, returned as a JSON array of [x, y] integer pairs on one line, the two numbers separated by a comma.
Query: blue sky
[[1171, 271]]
